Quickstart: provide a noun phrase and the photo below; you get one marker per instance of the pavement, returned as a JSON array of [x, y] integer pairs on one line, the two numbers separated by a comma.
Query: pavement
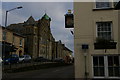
[[56, 73]]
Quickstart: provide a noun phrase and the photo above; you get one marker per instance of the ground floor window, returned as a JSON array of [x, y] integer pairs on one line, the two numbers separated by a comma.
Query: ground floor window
[[113, 66], [106, 66], [98, 65]]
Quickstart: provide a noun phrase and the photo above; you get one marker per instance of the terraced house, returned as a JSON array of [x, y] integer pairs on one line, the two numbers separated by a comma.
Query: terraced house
[[97, 40], [12, 43]]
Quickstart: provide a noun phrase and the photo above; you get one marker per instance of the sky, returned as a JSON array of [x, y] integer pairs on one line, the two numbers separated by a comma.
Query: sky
[[55, 10]]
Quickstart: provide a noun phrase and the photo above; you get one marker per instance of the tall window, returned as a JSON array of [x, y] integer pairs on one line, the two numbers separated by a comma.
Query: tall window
[[98, 65], [20, 42], [13, 39], [4, 35], [106, 66], [104, 30], [114, 66], [103, 4], [35, 30], [35, 39]]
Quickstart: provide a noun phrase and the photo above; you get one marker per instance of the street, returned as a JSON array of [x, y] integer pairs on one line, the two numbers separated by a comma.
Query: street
[[64, 72]]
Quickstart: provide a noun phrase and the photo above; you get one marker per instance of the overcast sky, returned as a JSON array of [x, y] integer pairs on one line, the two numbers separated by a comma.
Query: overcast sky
[[55, 10]]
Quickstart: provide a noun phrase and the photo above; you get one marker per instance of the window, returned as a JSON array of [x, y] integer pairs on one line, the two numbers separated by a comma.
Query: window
[[98, 65], [35, 30], [35, 40], [20, 42], [4, 35], [13, 39], [103, 4], [113, 66], [104, 30], [106, 66]]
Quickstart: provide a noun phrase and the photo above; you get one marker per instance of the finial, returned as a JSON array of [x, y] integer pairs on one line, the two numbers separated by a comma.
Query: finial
[[45, 11]]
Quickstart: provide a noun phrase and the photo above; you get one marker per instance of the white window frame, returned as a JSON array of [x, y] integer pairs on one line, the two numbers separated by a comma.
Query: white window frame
[[108, 72], [93, 69], [110, 4], [111, 29], [105, 68]]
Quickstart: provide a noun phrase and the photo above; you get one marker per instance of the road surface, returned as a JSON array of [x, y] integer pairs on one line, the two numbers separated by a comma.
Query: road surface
[[56, 73]]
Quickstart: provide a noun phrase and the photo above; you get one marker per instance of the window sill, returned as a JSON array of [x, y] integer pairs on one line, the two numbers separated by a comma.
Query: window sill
[[100, 9]]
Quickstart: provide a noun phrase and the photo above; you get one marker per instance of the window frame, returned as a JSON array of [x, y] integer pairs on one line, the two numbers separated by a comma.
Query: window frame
[[105, 67], [113, 57], [21, 42], [103, 7], [98, 66], [4, 34], [111, 26], [13, 40]]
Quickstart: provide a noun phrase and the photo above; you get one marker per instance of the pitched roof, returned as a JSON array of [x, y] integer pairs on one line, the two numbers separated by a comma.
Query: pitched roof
[[30, 20]]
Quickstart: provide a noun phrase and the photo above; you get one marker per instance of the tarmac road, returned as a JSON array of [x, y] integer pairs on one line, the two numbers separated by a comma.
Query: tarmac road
[[56, 73]]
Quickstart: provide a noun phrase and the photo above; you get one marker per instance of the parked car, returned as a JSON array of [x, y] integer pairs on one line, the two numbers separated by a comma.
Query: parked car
[[59, 60], [14, 58], [41, 59], [25, 58]]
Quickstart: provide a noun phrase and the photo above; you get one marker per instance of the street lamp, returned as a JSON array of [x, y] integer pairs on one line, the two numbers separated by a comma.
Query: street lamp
[[85, 47], [6, 24], [9, 11]]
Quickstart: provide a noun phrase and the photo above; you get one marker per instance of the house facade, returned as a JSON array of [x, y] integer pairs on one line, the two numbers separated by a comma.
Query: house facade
[[67, 55], [97, 40], [29, 30], [44, 37], [12, 43]]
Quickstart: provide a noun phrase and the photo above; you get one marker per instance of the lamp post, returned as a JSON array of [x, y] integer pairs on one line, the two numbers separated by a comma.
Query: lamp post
[[85, 47], [85, 54], [9, 11], [6, 26]]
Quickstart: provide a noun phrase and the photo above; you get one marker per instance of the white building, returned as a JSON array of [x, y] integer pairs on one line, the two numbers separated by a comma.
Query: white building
[[97, 40]]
